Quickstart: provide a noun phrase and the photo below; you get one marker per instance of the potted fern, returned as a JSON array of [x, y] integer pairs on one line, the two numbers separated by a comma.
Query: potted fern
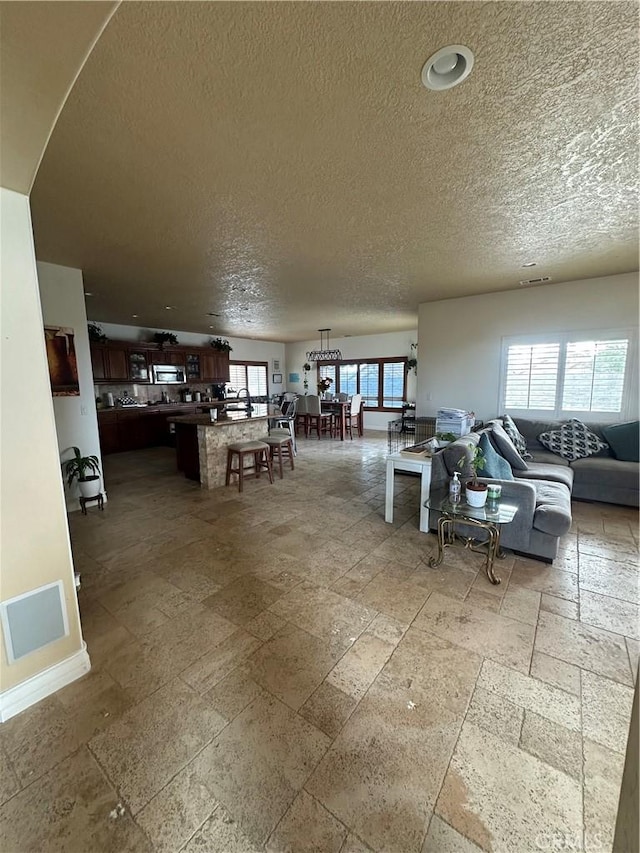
[[476, 492], [86, 470]]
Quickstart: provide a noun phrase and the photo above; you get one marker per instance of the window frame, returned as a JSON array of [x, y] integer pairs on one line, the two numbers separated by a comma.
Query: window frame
[[400, 359], [245, 364], [563, 339]]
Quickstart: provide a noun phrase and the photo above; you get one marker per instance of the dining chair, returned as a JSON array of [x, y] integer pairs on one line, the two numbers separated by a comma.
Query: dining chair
[[341, 397], [354, 415], [301, 414], [321, 421], [285, 425]]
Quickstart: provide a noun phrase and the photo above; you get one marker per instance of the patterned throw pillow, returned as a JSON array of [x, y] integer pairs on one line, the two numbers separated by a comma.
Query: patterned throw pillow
[[516, 436], [574, 440]]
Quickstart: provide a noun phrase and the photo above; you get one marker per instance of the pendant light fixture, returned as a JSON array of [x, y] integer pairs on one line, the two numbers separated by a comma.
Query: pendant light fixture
[[324, 353]]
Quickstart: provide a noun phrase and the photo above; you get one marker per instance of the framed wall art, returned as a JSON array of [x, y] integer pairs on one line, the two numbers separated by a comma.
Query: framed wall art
[[61, 357]]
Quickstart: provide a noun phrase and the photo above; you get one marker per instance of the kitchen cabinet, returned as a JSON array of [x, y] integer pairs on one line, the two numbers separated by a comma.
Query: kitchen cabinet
[[134, 429], [110, 363], [215, 366], [167, 356], [138, 365], [193, 367]]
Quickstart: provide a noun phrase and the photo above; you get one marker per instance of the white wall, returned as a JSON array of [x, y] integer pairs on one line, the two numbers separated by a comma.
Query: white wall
[[361, 346], [62, 299], [34, 536], [243, 349], [460, 340]]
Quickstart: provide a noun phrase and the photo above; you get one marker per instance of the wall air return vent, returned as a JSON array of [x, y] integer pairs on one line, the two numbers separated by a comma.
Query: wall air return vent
[[542, 280], [33, 620]]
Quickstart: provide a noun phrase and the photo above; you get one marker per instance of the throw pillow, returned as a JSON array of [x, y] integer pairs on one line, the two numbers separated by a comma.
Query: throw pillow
[[495, 467], [624, 440], [574, 440], [519, 441], [506, 447]]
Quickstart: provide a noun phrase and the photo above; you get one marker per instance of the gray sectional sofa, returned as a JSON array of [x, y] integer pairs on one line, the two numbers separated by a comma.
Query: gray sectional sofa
[[597, 478], [544, 489]]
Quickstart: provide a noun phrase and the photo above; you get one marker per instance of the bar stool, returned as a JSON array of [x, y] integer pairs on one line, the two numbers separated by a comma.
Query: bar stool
[[280, 442], [261, 459]]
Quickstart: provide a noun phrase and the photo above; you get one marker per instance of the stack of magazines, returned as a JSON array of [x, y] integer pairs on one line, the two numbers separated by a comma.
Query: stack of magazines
[[456, 421]]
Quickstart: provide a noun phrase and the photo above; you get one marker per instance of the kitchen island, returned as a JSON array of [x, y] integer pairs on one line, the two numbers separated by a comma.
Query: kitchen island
[[201, 444]]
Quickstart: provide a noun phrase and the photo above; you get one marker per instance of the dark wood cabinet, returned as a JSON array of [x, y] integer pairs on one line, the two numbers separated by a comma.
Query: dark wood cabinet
[[98, 366], [167, 356], [139, 370], [133, 429], [109, 363], [215, 366], [194, 367], [131, 362]]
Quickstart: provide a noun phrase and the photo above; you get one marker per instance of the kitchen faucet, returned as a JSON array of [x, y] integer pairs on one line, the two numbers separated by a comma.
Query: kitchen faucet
[[248, 396]]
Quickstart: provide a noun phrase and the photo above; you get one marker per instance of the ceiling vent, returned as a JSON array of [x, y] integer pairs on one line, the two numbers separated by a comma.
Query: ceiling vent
[[542, 280], [448, 67]]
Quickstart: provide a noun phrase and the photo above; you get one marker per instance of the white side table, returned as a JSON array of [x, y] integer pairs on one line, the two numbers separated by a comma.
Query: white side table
[[422, 466]]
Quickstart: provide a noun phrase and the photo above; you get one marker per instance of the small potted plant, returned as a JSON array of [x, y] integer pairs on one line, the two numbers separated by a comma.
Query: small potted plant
[[86, 470], [444, 438], [221, 344], [476, 492], [163, 338], [96, 335]]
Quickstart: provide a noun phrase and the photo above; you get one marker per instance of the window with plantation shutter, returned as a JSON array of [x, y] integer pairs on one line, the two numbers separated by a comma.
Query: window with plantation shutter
[[532, 376], [594, 376], [563, 375], [243, 374]]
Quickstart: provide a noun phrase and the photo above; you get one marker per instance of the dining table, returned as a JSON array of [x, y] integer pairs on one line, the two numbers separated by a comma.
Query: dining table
[[340, 409]]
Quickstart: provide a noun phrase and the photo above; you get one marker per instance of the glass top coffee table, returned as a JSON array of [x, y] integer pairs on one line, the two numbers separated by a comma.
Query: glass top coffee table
[[488, 518]]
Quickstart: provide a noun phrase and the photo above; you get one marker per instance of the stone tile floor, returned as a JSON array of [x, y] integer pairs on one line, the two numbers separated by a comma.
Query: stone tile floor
[[282, 670]]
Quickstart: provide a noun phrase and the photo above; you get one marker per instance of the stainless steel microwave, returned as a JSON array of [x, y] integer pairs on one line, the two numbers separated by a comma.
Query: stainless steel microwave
[[169, 374]]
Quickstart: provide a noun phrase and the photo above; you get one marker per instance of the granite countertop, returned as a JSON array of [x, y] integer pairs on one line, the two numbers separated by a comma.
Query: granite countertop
[[260, 412]]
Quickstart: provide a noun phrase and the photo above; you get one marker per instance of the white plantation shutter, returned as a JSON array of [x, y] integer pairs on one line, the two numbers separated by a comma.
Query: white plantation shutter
[[237, 377], [393, 384], [251, 376], [532, 376], [594, 376], [564, 376], [257, 380]]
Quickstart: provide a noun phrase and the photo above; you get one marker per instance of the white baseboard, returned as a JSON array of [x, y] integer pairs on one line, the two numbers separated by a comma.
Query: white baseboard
[[22, 696]]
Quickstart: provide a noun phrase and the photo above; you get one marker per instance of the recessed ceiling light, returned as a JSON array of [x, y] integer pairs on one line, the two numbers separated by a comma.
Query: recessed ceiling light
[[87, 293], [134, 315], [448, 67], [530, 264], [169, 307]]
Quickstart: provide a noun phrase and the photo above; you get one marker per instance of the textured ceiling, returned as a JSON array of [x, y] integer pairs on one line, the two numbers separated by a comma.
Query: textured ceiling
[[42, 48], [280, 164]]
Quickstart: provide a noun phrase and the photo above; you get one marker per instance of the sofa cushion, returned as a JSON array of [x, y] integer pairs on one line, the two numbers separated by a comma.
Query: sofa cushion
[[505, 446], [553, 508], [460, 449], [605, 472], [495, 466], [519, 441], [549, 458], [552, 473], [531, 429], [624, 440], [574, 440]]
